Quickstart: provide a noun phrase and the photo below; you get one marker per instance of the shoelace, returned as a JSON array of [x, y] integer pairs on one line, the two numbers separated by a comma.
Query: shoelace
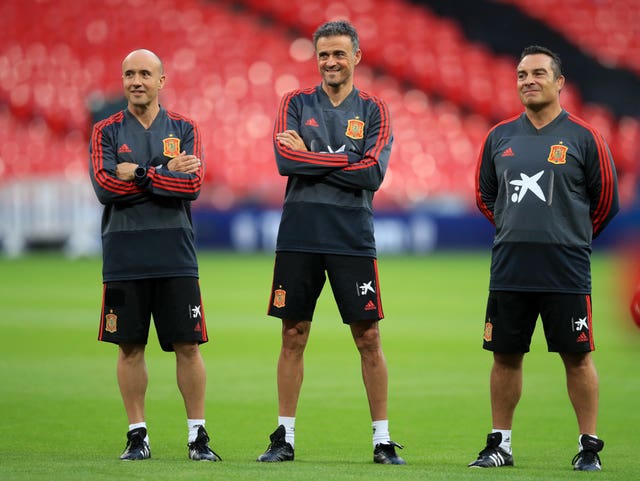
[[488, 450], [276, 444], [389, 448], [201, 446], [588, 457]]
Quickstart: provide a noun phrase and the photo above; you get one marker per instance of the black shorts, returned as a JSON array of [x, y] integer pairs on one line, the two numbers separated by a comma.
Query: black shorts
[[511, 319], [298, 278], [175, 304]]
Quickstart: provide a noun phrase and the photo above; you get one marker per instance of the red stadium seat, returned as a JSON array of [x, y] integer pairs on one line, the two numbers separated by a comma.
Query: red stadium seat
[[227, 68], [608, 29]]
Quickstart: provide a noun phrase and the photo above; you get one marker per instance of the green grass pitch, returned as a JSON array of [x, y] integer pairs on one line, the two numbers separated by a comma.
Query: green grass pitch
[[61, 416]]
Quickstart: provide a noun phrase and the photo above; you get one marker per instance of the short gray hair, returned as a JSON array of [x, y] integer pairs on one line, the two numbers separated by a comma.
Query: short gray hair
[[339, 27]]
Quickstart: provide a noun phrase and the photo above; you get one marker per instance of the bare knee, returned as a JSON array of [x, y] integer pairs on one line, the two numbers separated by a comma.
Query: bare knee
[[367, 337], [131, 353], [186, 349], [510, 361], [578, 362], [295, 336]]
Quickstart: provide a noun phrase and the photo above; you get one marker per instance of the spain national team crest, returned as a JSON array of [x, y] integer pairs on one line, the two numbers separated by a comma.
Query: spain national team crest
[[171, 147], [111, 322], [558, 154], [279, 297], [355, 129]]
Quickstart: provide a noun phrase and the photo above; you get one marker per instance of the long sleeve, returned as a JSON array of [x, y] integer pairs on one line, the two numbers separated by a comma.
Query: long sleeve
[[486, 185], [102, 166], [368, 172], [602, 184], [112, 143], [294, 162], [162, 181]]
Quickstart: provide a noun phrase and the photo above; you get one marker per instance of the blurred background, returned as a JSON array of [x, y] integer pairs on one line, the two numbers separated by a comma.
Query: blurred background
[[446, 69]]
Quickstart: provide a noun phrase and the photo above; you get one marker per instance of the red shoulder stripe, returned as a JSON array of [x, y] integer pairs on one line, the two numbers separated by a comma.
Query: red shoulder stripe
[[371, 156], [97, 161], [307, 157], [606, 174]]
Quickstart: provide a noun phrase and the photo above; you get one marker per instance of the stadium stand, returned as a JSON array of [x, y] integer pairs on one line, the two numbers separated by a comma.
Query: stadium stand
[[243, 66], [609, 97], [228, 63], [425, 44], [609, 29]]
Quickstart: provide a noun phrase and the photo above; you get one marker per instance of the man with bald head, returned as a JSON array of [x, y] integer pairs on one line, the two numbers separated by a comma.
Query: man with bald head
[[146, 166]]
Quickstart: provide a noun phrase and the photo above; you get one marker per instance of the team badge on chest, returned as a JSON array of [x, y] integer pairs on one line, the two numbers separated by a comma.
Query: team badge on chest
[[558, 154], [355, 129], [171, 147]]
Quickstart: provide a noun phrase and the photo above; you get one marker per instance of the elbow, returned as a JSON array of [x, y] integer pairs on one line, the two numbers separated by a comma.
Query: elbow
[[375, 182], [284, 170], [104, 198]]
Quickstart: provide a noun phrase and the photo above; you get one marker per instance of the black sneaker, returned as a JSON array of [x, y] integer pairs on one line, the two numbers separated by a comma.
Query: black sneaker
[[199, 449], [588, 459], [385, 453], [279, 450], [137, 448], [492, 456]]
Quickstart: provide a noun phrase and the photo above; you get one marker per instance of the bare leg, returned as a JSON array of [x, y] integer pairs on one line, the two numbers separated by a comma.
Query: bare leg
[[374, 367], [506, 388], [191, 377], [133, 380], [582, 385], [291, 365]]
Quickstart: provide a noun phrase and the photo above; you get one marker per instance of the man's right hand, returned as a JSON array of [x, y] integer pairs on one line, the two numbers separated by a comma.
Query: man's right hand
[[188, 164]]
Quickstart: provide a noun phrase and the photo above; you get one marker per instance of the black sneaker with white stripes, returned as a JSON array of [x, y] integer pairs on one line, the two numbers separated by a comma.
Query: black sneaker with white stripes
[[279, 450], [385, 453], [199, 449], [587, 459], [137, 448], [492, 456]]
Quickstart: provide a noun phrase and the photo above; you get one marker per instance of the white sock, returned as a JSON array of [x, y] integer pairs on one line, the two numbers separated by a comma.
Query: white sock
[[140, 425], [289, 427], [193, 425], [506, 439], [380, 432]]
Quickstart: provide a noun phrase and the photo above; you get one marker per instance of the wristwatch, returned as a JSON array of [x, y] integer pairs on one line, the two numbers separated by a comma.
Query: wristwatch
[[140, 173]]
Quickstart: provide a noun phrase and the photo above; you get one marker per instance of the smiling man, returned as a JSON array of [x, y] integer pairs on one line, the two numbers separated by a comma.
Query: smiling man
[[333, 143], [146, 167], [142, 78], [546, 180]]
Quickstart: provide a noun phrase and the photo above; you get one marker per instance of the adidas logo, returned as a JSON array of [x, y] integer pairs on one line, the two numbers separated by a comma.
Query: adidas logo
[[508, 153], [124, 149], [370, 306], [198, 328], [312, 122], [582, 337]]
